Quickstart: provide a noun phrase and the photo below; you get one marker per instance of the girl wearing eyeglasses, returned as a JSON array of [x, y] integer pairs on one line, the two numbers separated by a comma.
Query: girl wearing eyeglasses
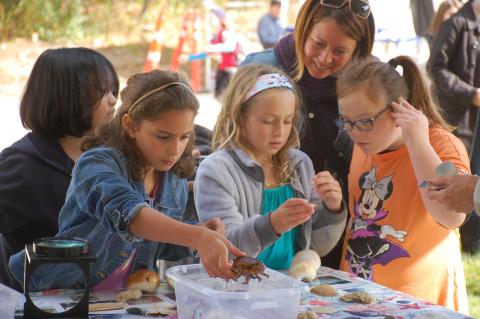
[[397, 236], [328, 35]]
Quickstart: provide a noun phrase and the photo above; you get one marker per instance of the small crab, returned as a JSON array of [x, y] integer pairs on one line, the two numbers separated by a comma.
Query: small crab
[[249, 268]]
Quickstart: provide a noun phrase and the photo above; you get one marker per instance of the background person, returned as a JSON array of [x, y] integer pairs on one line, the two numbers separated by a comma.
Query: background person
[[225, 42], [445, 10], [269, 29], [454, 67]]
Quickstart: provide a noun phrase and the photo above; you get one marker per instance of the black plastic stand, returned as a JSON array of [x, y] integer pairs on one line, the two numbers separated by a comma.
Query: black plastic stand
[[32, 261]]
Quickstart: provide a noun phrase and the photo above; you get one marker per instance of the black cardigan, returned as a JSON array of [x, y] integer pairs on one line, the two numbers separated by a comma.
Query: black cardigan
[[34, 176]]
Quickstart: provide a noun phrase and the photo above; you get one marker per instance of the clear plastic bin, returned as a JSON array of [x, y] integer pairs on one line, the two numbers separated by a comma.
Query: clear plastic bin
[[201, 297]]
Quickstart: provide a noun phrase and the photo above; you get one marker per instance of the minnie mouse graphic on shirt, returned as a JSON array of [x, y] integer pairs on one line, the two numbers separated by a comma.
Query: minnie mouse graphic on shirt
[[369, 242]]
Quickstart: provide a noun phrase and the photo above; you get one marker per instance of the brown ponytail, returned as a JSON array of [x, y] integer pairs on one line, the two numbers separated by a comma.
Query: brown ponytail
[[379, 77], [419, 94]]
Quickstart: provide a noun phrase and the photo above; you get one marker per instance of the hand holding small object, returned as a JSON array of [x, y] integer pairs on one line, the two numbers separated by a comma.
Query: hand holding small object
[[329, 190], [447, 168], [213, 249], [292, 213], [456, 192]]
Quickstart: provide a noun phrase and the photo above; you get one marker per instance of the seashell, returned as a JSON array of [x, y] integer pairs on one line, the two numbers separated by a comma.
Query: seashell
[[324, 290], [305, 265], [144, 280]]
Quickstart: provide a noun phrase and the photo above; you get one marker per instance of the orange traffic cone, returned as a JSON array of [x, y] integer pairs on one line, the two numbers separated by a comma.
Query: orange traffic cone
[[196, 65], [155, 48], [175, 63], [191, 35]]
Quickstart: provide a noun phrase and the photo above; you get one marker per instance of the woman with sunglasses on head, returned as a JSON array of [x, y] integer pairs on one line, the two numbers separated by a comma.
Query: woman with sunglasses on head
[[397, 236], [328, 35]]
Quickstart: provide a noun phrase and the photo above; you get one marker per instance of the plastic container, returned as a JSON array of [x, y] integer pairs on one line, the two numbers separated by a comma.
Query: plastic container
[[201, 297]]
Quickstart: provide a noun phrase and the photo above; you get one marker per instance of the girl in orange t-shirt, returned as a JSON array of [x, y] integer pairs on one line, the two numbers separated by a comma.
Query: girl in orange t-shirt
[[397, 236]]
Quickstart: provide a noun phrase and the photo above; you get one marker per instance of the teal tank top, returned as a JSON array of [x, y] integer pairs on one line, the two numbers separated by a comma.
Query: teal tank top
[[279, 255]]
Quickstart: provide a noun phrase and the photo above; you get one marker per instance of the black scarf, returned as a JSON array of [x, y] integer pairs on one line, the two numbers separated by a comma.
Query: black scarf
[[320, 107]]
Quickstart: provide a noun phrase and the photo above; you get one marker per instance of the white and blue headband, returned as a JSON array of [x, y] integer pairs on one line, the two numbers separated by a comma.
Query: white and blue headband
[[269, 81]]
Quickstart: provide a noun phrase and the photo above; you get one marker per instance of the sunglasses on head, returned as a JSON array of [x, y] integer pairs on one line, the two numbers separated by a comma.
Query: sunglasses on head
[[360, 8]]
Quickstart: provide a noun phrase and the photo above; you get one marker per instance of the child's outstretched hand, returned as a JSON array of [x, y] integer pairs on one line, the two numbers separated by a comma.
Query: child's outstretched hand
[[414, 123], [292, 213], [213, 249], [329, 190]]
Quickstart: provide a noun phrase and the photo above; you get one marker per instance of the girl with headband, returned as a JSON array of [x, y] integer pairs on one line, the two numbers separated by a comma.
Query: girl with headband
[[129, 190], [257, 181]]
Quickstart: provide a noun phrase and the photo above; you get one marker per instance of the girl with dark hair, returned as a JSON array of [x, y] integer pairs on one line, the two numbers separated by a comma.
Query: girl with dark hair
[[69, 93], [130, 186], [329, 34], [397, 236]]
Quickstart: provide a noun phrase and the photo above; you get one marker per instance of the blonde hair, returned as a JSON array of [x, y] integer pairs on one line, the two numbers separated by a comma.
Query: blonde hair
[[228, 129], [312, 12], [378, 77]]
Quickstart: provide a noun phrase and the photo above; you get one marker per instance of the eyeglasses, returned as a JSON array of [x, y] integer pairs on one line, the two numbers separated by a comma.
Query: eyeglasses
[[360, 8], [362, 124]]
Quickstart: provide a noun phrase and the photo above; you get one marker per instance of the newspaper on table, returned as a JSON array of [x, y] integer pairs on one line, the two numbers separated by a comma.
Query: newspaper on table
[[61, 300], [388, 303], [9, 300]]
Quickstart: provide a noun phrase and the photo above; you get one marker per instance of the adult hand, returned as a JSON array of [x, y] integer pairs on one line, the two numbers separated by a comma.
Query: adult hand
[[414, 123], [213, 249], [455, 192], [476, 98], [329, 190], [214, 224], [293, 212]]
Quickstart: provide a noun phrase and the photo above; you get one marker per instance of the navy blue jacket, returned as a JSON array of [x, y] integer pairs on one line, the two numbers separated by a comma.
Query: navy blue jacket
[[101, 201], [34, 176]]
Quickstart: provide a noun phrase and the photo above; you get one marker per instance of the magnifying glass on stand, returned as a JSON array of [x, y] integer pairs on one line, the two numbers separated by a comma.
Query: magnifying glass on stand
[[57, 250]]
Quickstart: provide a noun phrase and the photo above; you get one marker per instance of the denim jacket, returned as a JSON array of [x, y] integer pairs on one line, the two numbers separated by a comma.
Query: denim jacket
[[101, 202]]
